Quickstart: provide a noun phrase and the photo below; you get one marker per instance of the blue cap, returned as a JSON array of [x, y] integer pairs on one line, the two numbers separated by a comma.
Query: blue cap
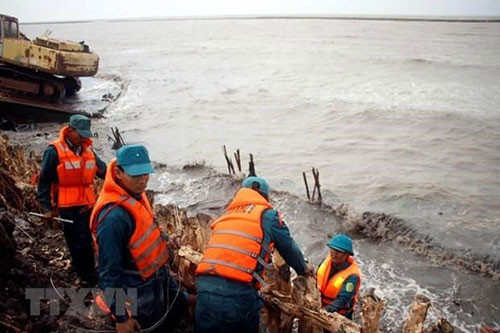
[[257, 183], [134, 160], [342, 243], [81, 124]]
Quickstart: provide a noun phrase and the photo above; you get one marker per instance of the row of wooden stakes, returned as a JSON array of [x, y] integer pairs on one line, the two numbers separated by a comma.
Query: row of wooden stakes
[[251, 172]]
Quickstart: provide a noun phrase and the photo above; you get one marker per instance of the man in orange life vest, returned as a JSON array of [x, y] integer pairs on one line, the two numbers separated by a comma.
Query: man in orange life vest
[[65, 188], [230, 273], [339, 277], [132, 250]]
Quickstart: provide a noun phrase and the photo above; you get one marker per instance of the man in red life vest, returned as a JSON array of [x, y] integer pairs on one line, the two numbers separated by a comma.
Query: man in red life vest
[[65, 188], [132, 250], [339, 277]]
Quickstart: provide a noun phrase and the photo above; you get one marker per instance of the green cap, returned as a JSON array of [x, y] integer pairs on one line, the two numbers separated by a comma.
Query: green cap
[[134, 160], [342, 243], [256, 183], [81, 124]]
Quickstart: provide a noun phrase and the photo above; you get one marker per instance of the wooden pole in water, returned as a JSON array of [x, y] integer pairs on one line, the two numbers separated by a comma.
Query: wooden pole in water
[[307, 186], [117, 138], [238, 159], [316, 183], [230, 167], [314, 188], [251, 167]]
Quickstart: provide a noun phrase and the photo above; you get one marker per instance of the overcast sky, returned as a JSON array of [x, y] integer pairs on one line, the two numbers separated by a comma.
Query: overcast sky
[[67, 10]]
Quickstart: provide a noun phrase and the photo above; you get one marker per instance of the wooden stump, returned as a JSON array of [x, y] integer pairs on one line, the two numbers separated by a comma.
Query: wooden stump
[[371, 311], [278, 279], [193, 231], [186, 262], [414, 323], [305, 294]]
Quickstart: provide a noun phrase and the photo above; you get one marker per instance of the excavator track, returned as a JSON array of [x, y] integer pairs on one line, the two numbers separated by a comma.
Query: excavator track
[[25, 83]]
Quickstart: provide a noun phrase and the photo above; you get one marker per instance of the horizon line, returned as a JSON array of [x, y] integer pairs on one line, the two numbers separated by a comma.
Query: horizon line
[[417, 18]]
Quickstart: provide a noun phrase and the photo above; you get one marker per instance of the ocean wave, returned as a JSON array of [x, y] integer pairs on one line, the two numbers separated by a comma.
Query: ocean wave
[[196, 185], [385, 227], [435, 63]]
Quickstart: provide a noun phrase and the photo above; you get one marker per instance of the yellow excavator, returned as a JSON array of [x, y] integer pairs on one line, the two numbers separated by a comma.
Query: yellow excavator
[[45, 69]]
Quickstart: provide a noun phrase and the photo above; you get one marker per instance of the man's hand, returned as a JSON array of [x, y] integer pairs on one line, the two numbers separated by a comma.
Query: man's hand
[[131, 325], [309, 269]]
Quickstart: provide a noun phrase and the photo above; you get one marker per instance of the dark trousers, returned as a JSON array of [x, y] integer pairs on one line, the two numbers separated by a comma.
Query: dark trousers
[[155, 297], [226, 314], [79, 241]]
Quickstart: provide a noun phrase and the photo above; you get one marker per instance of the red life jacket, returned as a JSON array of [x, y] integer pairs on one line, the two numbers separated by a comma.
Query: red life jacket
[[330, 288], [147, 246], [237, 238], [75, 174]]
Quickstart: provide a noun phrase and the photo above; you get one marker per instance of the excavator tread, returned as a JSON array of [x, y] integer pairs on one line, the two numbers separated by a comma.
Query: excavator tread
[[39, 78]]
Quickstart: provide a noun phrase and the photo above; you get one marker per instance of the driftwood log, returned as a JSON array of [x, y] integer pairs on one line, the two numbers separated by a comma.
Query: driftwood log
[[278, 278], [332, 322]]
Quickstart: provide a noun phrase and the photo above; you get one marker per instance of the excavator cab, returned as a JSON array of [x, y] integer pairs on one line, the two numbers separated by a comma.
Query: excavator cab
[[9, 28]]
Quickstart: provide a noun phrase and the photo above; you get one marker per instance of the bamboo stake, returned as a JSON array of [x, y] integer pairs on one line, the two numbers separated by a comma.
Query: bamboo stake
[[230, 167], [314, 188], [316, 183], [251, 167], [237, 158], [307, 186], [117, 138]]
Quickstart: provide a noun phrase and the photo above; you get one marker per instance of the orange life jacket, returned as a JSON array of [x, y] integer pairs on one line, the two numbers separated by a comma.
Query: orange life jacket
[[330, 288], [237, 238], [148, 246], [75, 174]]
